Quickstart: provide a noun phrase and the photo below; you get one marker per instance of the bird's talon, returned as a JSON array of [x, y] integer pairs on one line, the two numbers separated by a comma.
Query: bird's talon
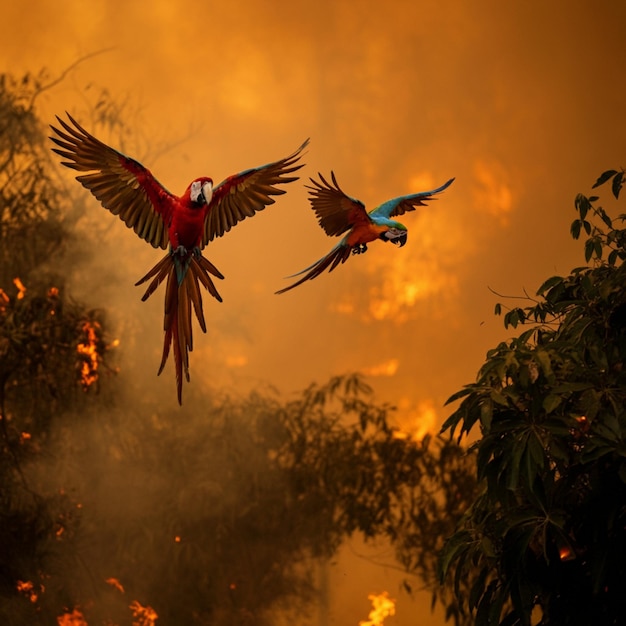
[[180, 251]]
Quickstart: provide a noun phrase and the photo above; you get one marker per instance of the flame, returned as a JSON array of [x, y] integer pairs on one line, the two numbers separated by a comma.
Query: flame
[[4, 300], [89, 351], [417, 421], [144, 615], [28, 588], [114, 582], [75, 618], [382, 607], [386, 368], [21, 290]]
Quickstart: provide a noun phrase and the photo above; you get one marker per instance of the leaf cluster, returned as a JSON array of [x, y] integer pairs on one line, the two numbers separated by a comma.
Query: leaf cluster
[[547, 529]]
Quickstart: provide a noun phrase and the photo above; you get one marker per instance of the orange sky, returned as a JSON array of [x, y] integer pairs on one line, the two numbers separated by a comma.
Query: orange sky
[[522, 102]]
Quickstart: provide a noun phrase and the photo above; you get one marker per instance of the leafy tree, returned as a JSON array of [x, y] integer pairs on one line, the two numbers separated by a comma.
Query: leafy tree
[[43, 371], [546, 537], [223, 518]]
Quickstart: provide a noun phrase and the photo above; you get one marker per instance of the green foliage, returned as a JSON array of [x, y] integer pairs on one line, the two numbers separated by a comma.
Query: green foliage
[[548, 527]]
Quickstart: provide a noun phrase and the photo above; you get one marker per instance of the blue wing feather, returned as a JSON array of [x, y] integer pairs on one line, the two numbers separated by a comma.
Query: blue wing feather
[[402, 204]]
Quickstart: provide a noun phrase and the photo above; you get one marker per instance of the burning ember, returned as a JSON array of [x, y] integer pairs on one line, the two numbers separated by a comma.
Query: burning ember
[[88, 351], [4, 300], [75, 618], [28, 589], [382, 606], [114, 582], [144, 615], [21, 290]]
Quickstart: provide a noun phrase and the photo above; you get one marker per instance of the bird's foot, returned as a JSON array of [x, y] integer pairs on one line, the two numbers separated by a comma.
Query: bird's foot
[[360, 249], [180, 251]]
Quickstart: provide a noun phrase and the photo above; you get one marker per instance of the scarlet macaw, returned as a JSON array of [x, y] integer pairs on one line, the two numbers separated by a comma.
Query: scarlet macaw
[[338, 213], [186, 223]]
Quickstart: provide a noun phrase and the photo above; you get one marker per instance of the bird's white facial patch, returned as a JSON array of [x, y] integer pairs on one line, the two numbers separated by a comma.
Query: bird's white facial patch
[[196, 192], [395, 233]]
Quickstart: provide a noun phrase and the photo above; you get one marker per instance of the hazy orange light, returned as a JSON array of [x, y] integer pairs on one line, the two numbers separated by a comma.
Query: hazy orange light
[[386, 368], [492, 195], [236, 360], [382, 607], [417, 421]]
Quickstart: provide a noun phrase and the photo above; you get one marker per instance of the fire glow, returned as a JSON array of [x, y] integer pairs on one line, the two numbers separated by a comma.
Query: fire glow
[[88, 351], [143, 615], [28, 589], [75, 618], [21, 290], [382, 607]]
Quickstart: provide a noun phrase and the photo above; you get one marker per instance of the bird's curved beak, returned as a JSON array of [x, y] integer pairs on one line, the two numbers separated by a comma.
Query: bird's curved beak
[[401, 240], [396, 236], [207, 192]]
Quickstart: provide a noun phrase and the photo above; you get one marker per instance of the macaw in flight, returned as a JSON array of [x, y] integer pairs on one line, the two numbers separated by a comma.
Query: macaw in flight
[[338, 213], [185, 223]]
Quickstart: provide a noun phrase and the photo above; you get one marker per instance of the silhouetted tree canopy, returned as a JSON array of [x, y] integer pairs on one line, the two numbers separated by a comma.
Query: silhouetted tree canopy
[[548, 530]]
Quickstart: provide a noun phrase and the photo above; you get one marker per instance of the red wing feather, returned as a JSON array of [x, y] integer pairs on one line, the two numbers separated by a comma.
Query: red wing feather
[[123, 186], [243, 194]]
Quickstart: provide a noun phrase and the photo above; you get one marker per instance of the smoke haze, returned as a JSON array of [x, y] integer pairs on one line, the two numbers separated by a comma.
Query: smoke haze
[[523, 103]]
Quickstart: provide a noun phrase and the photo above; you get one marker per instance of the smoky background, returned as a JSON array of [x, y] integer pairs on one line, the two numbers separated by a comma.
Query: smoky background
[[521, 104]]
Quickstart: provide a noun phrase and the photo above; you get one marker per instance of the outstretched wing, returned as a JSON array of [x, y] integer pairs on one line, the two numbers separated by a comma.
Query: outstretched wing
[[336, 211], [398, 206], [242, 195], [339, 254], [123, 186]]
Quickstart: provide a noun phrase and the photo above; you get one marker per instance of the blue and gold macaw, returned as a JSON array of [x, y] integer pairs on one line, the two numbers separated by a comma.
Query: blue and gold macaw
[[338, 213]]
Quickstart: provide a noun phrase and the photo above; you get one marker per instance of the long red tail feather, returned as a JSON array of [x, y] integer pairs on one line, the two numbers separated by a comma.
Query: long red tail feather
[[180, 299]]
